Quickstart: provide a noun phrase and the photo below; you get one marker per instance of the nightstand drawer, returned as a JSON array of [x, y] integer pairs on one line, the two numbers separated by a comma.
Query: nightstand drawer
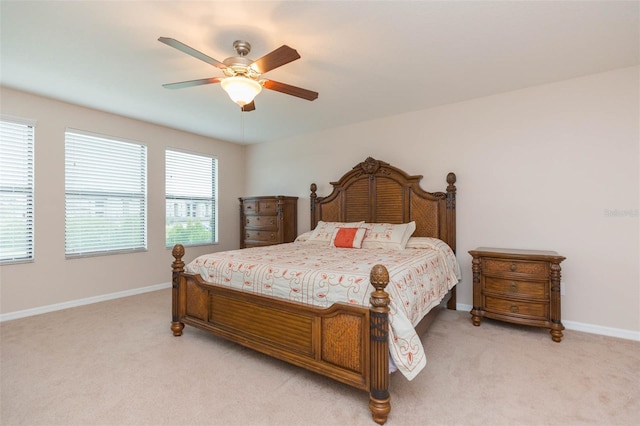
[[516, 287], [513, 307], [262, 222], [540, 269], [251, 235]]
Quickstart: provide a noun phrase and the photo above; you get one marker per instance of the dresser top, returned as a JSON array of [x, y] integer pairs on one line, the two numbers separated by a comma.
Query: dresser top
[[509, 253], [268, 197]]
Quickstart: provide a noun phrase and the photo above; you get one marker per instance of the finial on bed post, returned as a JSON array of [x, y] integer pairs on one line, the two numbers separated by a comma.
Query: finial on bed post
[[379, 399], [178, 267], [313, 197], [451, 188]]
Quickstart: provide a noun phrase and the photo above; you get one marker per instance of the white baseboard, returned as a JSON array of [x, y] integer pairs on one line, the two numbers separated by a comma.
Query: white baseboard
[[605, 331], [80, 302], [587, 328]]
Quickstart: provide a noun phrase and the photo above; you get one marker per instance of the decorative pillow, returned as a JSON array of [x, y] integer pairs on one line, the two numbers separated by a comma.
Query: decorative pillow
[[348, 237], [324, 230], [388, 235]]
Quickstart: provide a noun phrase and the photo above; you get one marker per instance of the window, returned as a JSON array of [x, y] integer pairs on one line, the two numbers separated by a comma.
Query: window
[[190, 198], [105, 195], [16, 189]]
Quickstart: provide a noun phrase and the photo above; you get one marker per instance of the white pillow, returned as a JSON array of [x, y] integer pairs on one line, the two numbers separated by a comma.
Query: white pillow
[[303, 237], [390, 236], [440, 246], [324, 230], [426, 242]]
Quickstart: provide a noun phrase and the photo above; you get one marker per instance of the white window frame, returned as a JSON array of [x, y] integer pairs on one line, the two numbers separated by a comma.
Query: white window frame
[[191, 181], [105, 195], [17, 189]]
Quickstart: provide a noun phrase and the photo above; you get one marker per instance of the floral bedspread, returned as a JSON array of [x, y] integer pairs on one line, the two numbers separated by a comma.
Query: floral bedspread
[[316, 274]]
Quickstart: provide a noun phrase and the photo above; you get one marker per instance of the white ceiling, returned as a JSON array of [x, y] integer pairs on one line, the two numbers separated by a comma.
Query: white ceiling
[[366, 59]]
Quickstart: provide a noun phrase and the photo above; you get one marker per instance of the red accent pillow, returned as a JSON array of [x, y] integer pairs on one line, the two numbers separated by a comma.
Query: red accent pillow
[[348, 237]]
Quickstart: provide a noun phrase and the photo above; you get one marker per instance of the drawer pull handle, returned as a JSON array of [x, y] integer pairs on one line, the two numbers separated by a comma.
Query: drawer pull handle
[[247, 235], [513, 267], [271, 222], [514, 309], [248, 221], [273, 237], [514, 286]]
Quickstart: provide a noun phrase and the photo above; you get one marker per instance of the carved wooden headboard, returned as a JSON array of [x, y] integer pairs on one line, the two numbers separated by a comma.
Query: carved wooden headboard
[[375, 191]]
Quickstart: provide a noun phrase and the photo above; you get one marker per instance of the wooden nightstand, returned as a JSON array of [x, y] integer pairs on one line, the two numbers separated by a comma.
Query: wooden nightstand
[[518, 286]]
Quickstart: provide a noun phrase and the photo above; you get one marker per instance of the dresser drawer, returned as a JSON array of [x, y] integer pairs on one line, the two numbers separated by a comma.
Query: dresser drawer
[[264, 207], [514, 307], [267, 236], [261, 222], [539, 269], [250, 207], [268, 207], [516, 287]]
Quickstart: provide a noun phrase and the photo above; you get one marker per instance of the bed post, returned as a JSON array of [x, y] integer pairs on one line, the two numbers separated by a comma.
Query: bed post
[[178, 268], [379, 399], [451, 210], [313, 197], [451, 228]]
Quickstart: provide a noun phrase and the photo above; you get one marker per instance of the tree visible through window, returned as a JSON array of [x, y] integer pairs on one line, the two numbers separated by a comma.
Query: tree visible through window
[[190, 198]]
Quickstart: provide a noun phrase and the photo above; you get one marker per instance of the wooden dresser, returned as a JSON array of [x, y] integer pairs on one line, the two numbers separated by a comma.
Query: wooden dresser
[[265, 221], [518, 286]]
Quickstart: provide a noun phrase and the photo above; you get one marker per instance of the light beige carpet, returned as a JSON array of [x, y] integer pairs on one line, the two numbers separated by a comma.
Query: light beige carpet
[[117, 363]]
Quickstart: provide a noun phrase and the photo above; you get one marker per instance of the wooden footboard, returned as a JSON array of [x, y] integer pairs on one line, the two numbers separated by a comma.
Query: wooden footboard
[[344, 342]]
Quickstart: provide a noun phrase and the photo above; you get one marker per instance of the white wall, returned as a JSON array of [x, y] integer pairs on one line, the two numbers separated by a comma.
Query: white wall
[[538, 168], [549, 167], [51, 279]]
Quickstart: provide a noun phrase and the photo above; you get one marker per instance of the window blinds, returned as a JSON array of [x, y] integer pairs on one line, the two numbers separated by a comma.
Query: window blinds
[[105, 195], [190, 198], [16, 190]]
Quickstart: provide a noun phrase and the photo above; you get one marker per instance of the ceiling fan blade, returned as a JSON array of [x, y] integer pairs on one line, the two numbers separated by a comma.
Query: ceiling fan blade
[[192, 83], [249, 107], [191, 51], [282, 55], [290, 90]]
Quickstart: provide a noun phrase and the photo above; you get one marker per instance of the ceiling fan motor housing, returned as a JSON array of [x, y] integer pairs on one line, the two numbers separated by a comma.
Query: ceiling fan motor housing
[[239, 65]]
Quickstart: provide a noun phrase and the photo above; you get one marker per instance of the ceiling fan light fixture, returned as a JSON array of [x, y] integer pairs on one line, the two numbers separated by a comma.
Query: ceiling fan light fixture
[[241, 90]]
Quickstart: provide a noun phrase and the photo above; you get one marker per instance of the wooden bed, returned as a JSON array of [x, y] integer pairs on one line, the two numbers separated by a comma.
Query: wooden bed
[[345, 342]]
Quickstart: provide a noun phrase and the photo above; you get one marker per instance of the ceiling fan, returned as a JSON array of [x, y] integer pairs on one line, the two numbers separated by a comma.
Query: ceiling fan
[[243, 77]]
